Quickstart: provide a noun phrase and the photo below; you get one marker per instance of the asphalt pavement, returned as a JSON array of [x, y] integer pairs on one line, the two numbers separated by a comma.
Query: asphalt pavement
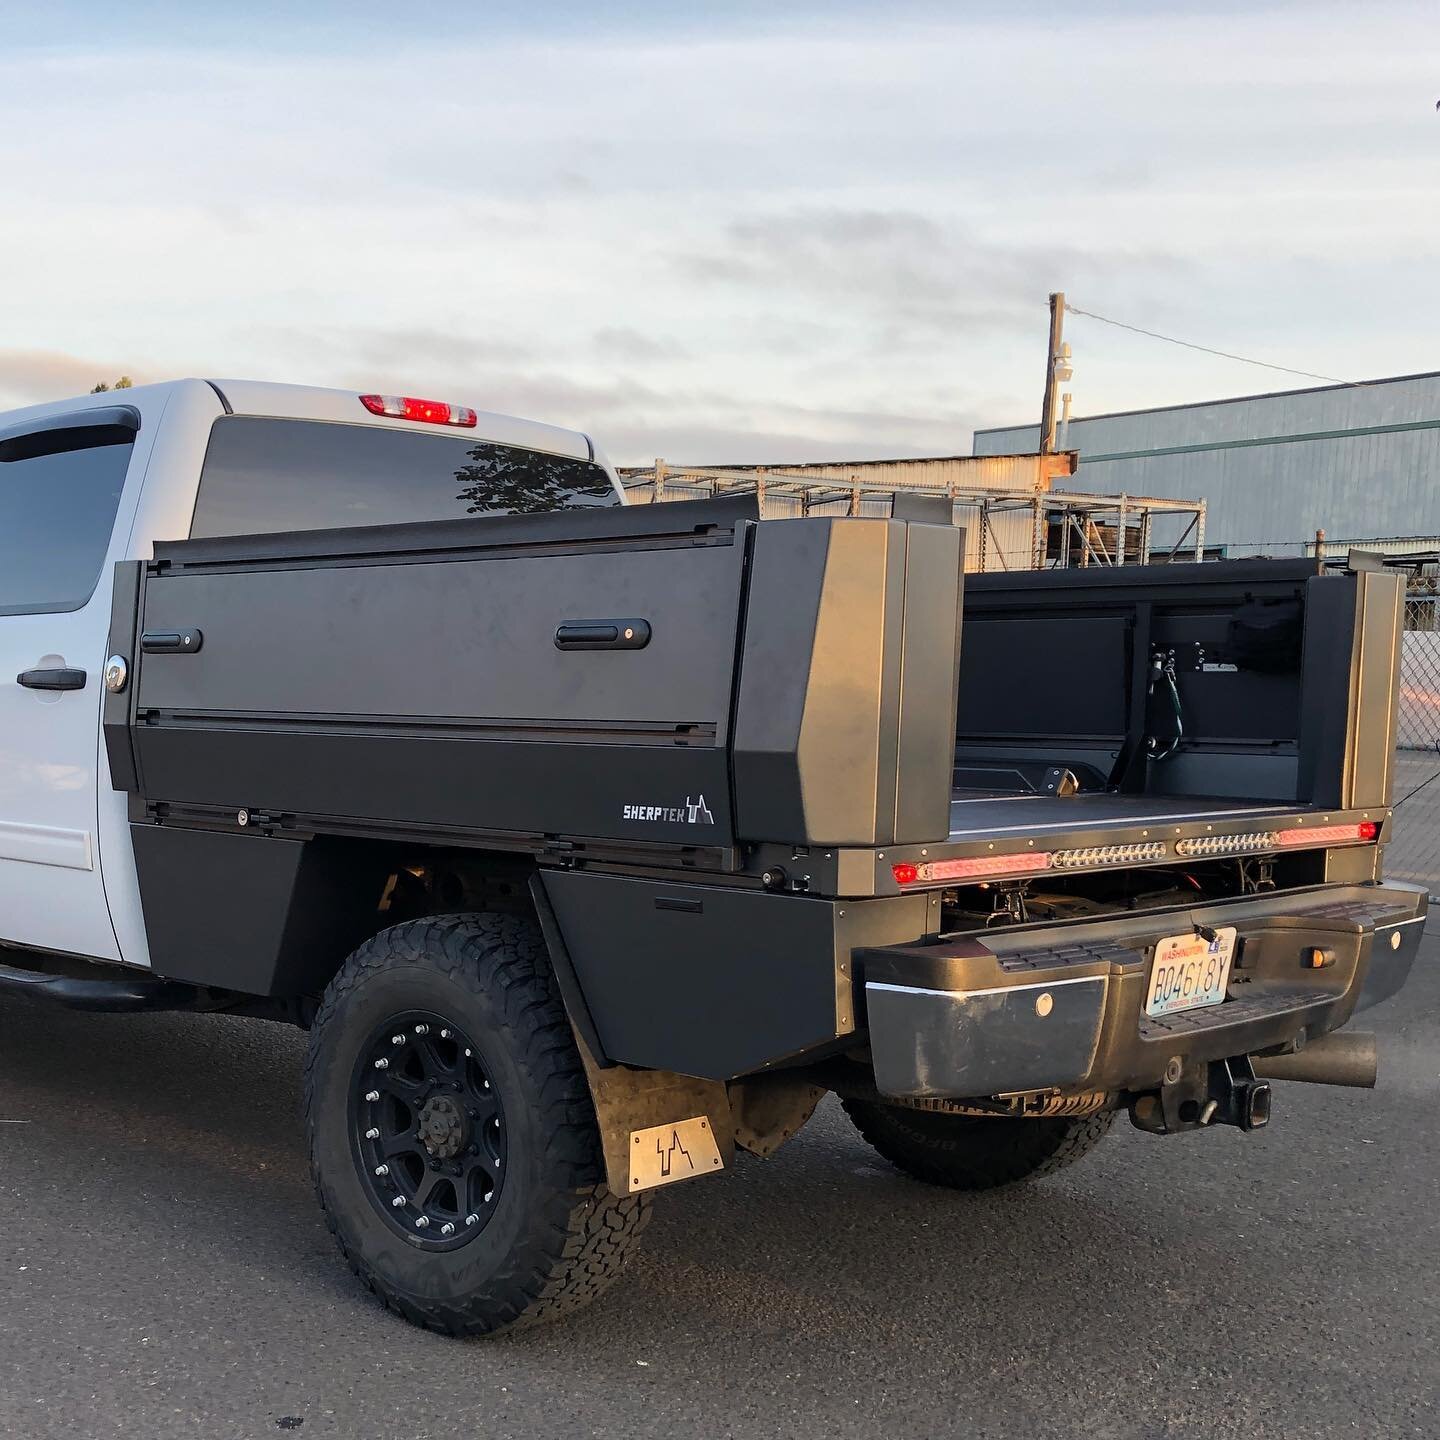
[[166, 1273]]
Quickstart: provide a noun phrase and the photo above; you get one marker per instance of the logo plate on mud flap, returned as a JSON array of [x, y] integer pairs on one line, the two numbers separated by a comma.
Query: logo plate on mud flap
[[680, 1150]]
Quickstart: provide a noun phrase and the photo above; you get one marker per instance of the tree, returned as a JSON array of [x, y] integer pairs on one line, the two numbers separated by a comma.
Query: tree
[[506, 481], [123, 383]]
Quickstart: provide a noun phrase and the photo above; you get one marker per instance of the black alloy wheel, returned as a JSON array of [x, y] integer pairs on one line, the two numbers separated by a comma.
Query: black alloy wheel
[[428, 1130]]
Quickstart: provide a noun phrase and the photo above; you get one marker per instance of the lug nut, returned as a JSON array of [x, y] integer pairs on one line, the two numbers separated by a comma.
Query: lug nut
[[473, 1219], [397, 1202], [382, 1170], [447, 1228], [467, 1054], [372, 1096], [382, 1063], [422, 1029], [422, 1222], [397, 1039], [372, 1133], [444, 1034]]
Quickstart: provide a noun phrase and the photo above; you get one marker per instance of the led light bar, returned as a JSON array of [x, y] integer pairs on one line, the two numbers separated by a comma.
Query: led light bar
[[428, 412], [976, 867], [1142, 852], [1206, 847], [1137, 854], [1359, 834]]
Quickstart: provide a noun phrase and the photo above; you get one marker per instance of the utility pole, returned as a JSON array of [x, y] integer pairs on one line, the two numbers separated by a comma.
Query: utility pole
[[1052, 360]]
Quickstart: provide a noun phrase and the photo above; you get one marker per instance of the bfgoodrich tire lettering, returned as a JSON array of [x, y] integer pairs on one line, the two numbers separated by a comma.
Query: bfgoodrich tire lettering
[[555, 1236], [967, 1152]]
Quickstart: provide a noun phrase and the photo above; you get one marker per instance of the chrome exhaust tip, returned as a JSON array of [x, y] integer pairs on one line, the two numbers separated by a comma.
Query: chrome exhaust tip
[[1334, 1059]]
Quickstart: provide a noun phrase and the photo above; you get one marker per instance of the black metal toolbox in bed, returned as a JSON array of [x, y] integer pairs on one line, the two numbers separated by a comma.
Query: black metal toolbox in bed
[[672, 675]]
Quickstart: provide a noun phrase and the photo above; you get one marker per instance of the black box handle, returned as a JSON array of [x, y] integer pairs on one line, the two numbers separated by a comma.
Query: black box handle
[[171, 642], [602, 635]]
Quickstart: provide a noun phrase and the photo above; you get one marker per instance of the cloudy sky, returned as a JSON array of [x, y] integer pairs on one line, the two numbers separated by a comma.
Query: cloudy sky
[[728, 232]]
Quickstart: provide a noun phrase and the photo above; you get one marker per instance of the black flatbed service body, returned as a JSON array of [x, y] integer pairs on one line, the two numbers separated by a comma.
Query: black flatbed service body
[[727, 755]]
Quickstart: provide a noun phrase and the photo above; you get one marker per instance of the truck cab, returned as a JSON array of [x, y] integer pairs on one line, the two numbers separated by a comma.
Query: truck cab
[[94, 481]]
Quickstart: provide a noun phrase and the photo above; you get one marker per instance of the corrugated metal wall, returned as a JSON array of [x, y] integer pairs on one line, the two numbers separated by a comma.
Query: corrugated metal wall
[[1356, 461]]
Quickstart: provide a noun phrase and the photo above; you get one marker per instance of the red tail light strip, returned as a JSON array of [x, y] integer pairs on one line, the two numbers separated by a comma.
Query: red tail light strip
[[973, 868], [1311, 835]]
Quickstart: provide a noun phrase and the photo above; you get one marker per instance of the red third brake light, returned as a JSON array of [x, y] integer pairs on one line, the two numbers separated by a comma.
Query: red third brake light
[[1329, 834], [973, 868], [428, 412]]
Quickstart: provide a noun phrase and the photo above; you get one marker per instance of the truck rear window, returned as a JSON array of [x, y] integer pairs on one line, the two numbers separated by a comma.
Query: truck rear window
[[264, 475]]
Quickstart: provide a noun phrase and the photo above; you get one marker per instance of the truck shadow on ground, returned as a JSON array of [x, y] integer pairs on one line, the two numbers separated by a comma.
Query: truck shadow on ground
[[825, 1236]]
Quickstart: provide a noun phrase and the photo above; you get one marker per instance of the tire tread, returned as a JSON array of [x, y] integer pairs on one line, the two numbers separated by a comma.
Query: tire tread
[[971, 1153]]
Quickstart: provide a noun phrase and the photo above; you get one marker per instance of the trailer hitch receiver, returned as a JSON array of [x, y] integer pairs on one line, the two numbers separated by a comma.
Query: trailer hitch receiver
[[1224, 1092], [1237, 1097]]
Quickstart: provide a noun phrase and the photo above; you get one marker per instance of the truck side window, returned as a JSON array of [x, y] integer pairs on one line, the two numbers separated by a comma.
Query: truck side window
[[263, 475], [59, 491]]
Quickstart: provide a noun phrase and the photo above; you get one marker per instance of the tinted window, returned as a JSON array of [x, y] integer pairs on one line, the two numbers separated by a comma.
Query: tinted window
[[265, 475], [59, 491]]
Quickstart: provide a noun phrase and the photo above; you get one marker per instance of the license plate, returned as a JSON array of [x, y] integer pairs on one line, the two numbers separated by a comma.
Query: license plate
[[1190, 972]]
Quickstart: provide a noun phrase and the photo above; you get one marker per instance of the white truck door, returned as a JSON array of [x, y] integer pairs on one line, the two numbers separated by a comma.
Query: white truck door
[[62, 481]]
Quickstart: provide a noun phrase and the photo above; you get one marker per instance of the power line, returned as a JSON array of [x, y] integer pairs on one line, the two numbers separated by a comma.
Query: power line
[[1224, 354]]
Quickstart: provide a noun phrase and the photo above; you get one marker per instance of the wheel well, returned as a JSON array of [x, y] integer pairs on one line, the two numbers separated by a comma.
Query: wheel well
[[353, 891], [431, 880]]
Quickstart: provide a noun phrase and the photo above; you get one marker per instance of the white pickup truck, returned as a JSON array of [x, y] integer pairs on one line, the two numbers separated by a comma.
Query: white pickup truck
[[594, 842], [93, 481]]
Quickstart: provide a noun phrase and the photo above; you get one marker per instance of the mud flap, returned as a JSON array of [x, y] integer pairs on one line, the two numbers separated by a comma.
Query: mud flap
[[657, 1127], [769, 1109]]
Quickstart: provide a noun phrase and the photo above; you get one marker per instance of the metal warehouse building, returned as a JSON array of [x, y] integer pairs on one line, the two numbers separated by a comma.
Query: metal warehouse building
[[1361, 462]]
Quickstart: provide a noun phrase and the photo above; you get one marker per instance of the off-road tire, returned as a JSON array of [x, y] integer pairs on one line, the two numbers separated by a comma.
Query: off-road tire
[[967, 1152], [558, 1236]]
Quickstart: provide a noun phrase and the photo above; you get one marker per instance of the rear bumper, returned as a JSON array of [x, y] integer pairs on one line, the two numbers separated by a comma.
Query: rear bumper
[[1063, 1006]]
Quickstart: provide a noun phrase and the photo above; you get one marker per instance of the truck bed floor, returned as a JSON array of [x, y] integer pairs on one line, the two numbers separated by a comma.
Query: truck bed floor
[[976, 813]]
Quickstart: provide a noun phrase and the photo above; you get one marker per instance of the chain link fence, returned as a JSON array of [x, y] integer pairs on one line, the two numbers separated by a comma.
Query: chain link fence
[[1414, 852]]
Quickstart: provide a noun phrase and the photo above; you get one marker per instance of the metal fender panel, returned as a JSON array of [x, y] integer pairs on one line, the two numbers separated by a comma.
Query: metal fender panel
[[254, 913], [712, 981]]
